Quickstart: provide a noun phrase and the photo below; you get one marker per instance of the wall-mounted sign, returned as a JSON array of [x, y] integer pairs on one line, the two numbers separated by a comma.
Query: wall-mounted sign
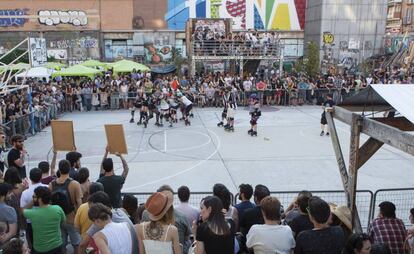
[[57, 17]]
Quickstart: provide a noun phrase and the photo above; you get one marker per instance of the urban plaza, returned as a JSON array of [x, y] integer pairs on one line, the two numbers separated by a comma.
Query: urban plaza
[[206, 127]]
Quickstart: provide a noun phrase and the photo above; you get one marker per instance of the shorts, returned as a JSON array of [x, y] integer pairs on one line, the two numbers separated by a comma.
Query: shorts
[[69, 230], [253, 121], [323, 119], [58, 250], [188, 109]]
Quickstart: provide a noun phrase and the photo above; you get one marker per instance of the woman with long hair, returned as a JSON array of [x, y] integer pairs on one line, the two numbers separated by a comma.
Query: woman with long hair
[[159, 236], [213, 233]]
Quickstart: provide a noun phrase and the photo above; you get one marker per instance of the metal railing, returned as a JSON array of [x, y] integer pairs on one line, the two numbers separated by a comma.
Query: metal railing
[[234, 48], [366, 201]]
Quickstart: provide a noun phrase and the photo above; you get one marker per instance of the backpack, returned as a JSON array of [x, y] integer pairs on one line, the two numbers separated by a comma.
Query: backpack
[[61, 196]]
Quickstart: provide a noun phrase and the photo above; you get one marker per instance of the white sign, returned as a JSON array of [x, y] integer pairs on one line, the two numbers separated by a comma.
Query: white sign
[[37, 51]]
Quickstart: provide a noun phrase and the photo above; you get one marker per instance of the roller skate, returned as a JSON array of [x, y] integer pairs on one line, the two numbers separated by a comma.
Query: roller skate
[[254, 133], [220, 124], [192, 115], [187, 122], [170, 125], [230, 128], [132, 120], [250, 131], [145, 124]]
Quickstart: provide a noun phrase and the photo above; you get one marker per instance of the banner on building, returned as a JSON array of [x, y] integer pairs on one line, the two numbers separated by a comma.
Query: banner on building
[[37, 51]]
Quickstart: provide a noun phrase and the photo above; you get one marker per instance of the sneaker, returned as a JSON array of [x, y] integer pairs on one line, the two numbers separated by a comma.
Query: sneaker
[[321, 133]]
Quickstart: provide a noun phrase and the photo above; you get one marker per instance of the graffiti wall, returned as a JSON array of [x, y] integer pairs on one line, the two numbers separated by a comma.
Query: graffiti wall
[[245, 14], [13, 18], [57, 17]]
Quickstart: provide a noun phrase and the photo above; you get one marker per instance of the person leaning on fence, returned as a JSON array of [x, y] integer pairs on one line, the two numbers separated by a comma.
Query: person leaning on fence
[[301, 222], [245, 194], [388, 229], [190, 212]]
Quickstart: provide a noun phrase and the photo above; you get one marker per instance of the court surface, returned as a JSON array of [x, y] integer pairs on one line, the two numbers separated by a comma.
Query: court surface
[[287, 155]]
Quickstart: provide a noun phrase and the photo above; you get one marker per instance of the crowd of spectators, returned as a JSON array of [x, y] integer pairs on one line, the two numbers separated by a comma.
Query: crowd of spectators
[[55, 210]]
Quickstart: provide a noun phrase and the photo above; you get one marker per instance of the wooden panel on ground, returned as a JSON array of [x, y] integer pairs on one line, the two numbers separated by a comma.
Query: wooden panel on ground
[[63, 136], [116, 138]]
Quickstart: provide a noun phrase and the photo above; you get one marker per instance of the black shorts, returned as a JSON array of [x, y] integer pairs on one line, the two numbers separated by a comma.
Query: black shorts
[[253, 121], [323, 119], [188, 109]]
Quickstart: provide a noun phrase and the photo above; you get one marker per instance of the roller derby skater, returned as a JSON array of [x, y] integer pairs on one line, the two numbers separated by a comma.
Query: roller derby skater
[[187, 106], [136, 105], [230, 118], [254, 116]]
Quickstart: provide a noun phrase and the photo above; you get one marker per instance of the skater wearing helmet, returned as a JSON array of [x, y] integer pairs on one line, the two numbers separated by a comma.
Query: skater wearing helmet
[[254, 116]]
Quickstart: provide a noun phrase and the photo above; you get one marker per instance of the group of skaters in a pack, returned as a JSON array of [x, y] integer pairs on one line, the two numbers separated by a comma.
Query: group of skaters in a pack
[[164, 105]]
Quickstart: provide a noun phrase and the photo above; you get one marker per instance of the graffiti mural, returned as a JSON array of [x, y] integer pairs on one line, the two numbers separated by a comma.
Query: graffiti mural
[[57, 17], [83, 42], [9, 18], [245, 14]]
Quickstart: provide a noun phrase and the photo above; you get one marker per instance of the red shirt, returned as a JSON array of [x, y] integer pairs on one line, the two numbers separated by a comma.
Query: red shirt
[[174, 84], [261, 86]]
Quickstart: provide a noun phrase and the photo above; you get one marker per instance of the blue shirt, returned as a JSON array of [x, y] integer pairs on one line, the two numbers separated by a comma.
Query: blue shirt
[[241, 207]]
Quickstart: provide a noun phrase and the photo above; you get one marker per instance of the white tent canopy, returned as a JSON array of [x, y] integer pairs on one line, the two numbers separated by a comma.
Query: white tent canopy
[[36, 72], [400, 97]]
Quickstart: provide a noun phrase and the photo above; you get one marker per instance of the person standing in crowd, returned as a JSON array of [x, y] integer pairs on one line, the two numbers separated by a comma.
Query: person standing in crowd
[[271, 237], [253, 216], [113, 183], [46, 221], [75, 164], [112, 237], [388, 229], [2, 150], [130, 205], [17, 155], [322, 239], [8, 214], [213, 233], [83, 180], [15, 246], [189, 211], [223, 193], [48, 171], [329, 103], [357, 244], [67, 193], [159, 235], [293, 210], [245, 194], [35, 176]]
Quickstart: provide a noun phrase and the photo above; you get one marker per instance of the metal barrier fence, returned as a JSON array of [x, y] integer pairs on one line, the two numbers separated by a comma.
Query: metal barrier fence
[[235, 48], [402, 198], [363, 200]]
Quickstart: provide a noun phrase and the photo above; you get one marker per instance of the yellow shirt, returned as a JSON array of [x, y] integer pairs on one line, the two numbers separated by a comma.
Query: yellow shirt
[[82, 221]]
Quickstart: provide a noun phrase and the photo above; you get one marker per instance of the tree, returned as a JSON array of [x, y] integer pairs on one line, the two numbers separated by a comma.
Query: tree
[[312, 56], [178, 60]]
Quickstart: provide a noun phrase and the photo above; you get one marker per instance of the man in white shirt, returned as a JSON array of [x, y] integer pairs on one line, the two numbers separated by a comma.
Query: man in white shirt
[[189, 211], [270, 237], [26, 199], [247, 87]]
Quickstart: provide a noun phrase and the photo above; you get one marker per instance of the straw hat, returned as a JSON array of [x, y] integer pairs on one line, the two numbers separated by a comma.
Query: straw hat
[[158, 204], [343, 213]]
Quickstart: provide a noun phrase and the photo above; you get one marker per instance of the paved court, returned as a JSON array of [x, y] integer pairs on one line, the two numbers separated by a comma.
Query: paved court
[[287, 155]]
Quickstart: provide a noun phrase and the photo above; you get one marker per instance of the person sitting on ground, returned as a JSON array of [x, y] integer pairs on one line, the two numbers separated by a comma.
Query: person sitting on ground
[[15, 246], [47, 221], [130, 205], [302, 221], [270, 237], [26, 199], [83, 179], [68, 194], [357, 244], [113, 183], [159, 235], [75, 164], [189, 211], [213, 233], [293, 210], [180, 221], [245, 194], [112, 237], [221, 191], [8, 214], [82, 221], [322, 239], [118, 216], [253, 216], [388, 229]]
